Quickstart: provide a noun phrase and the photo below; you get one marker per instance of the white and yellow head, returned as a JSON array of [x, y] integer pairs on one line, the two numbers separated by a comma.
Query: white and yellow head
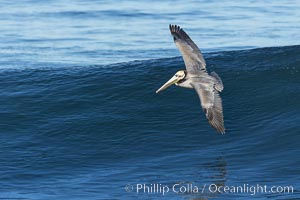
[[180, 75]]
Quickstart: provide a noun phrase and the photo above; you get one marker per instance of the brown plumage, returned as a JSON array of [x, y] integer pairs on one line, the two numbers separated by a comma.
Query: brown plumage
[[196, 76]]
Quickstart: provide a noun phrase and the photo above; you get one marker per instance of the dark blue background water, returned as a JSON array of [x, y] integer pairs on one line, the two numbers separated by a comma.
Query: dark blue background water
[[80, 119]]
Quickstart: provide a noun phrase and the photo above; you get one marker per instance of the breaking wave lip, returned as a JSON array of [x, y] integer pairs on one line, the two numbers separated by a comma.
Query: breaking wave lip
[[254, 59], [261, 57]]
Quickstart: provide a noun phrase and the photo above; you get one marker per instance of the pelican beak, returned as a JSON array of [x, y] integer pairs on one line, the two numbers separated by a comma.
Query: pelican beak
[[170, 82]]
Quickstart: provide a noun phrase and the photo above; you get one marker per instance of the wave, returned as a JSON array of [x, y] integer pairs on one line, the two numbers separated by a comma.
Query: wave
[[97, 116], [260, 85]]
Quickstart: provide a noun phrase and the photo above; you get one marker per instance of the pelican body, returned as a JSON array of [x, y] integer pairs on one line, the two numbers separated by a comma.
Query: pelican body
[[196, 76]]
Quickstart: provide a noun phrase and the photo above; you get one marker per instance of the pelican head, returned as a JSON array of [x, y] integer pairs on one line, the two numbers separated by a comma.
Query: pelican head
[[174, 80]]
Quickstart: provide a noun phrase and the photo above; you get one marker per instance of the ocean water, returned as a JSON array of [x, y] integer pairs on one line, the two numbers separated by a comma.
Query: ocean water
[[80, 119]]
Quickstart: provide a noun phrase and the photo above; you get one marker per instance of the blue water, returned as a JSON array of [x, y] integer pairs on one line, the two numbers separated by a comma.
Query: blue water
[[80, 119]]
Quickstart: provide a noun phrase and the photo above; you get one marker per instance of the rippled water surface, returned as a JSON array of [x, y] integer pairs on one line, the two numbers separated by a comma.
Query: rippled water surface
[[57, 32]]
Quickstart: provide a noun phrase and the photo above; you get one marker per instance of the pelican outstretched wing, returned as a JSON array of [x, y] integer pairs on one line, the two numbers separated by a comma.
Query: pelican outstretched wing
[[211, 104], [191, 54]]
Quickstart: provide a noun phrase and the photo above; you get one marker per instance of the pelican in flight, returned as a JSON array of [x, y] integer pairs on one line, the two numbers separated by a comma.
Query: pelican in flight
[[196, 76]]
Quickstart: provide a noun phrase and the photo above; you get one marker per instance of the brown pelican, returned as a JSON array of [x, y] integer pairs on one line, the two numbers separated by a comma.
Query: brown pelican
[[195, 76]]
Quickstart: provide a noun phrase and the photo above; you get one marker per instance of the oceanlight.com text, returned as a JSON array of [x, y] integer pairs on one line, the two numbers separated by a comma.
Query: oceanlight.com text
[[251, 189]]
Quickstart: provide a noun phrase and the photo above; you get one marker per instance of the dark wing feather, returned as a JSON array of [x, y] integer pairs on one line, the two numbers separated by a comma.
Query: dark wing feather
[[211, 103], [191, 54]]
